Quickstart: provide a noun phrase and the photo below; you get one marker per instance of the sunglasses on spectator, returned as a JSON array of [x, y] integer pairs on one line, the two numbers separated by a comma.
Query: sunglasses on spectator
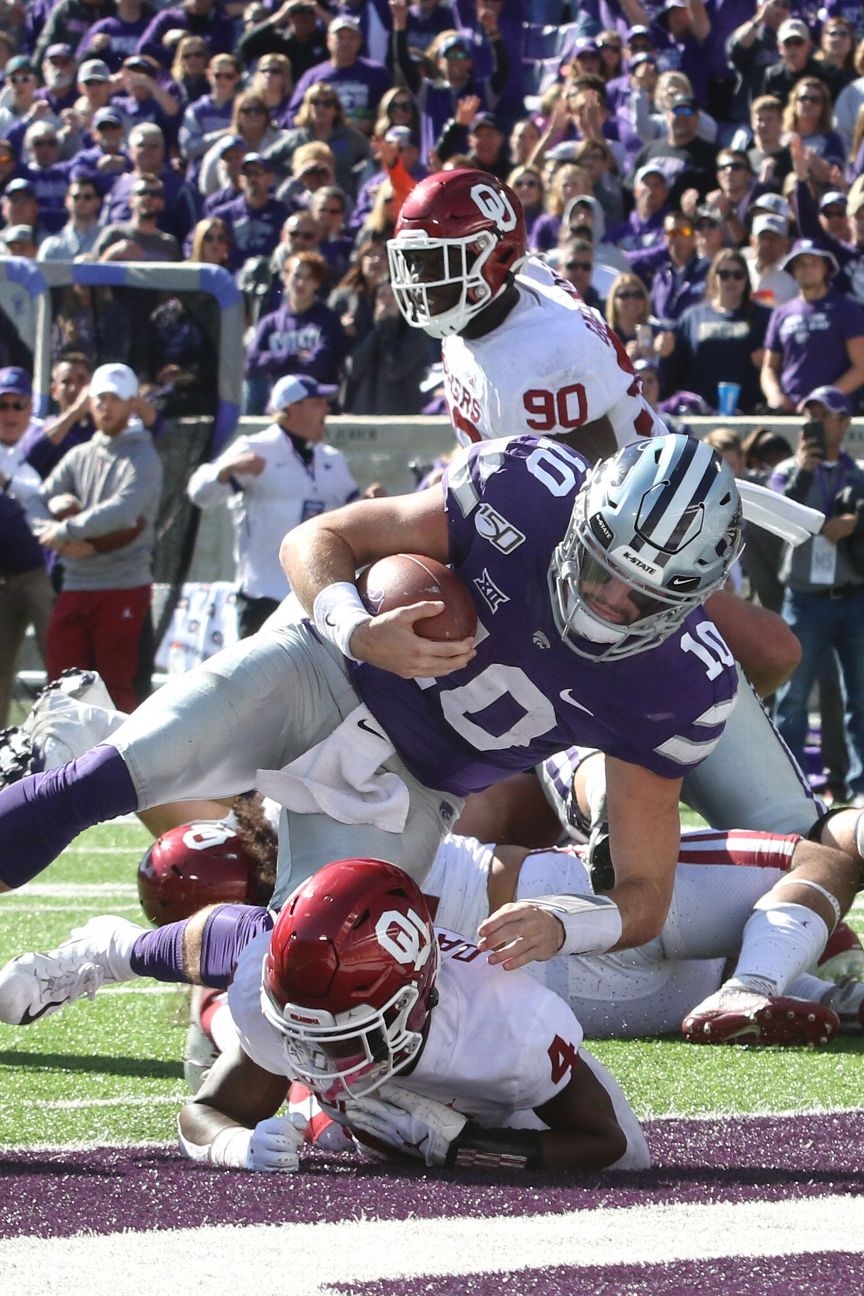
[[325, 103], [195, 53], [793, 40], [22, 78], [45, 141], [85, 195], [214, 236], [333, 211], [405, 104], [308, 235], [831, 212], [837, 31], [732, 274], [578, 265], [6, 157], [732, 166], [809, 98], [224, 76], [253, 112], [683, 110], [630, 294], [527, 184], [149, 193], [612, 45], [316, 171], [684, 230], [13, 405]]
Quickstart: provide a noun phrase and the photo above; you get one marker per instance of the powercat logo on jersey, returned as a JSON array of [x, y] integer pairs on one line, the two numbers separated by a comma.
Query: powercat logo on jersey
[[489, 591], [497, 530], [496, 206], [404, 936]]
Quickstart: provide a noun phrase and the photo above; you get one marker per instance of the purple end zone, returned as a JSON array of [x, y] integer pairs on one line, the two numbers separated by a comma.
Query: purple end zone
[[816, 1274], [768, 1158]]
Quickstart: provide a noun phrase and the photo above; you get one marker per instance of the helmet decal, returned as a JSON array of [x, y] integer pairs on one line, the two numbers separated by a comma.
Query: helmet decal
[[495, 206], [410, 942], [201, 836]]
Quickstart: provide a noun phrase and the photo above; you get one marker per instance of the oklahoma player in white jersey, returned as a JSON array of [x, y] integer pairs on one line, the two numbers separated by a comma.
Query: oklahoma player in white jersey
[[522, 352]]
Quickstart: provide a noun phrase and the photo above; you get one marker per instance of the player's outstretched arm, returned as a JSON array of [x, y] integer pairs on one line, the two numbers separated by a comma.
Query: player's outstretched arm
[[322, 557], [232, 1119]]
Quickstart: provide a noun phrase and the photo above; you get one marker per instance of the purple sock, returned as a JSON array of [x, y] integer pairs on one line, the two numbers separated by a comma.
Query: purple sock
[[159, 953], [40, 815]]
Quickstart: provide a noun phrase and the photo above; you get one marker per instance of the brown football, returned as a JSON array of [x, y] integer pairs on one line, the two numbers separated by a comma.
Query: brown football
[[403, 579]]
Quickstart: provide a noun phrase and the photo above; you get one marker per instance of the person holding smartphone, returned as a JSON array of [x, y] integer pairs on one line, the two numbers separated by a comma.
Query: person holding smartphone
[[824, 596]]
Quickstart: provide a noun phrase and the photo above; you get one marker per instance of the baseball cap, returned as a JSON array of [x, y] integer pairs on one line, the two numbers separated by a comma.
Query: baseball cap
[[585, 45], [768, 223], [807, 247], [229, 142], [832, 398], [17, 63], [774, 203], [94, 70], [683, 101], [257, 159], [644, 363], [344, 22], [292, 388], [17, 234], [485, 119], [59, 51], [402, 135], [107, 117], [13, 379], [19, 186], [642, 57], [139, 63], [454, 42], [650, 168], [639, 30], [708, 213], [116, 379], [792, 29], [563, 152], [833, 199]]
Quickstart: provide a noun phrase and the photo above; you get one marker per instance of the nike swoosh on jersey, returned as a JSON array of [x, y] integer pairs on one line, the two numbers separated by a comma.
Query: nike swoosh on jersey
[[367, 728], [29, 1017], [565, 697]]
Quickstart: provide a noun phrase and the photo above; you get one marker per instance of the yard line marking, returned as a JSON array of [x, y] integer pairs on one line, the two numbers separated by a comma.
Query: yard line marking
[[122, 1100], [54, 891]]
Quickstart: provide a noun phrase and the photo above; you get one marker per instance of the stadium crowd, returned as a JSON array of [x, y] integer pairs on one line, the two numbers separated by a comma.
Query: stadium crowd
[[670, 156]]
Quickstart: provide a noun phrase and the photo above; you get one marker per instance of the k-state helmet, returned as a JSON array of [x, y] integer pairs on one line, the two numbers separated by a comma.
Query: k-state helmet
[[349, 977], [458, 237], [200, 863], [663, 516]]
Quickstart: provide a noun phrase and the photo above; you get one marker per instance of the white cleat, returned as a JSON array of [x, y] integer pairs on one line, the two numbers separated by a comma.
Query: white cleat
[[70, 715], [36, 985]]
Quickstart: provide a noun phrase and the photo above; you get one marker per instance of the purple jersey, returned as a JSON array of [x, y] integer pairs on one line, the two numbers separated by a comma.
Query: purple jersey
[[812, 337], [526, 695]]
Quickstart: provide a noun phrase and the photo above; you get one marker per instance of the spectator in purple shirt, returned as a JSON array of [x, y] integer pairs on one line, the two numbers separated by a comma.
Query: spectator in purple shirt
[[817, 338], [205, 18], [116, 37], [255, 219], [302, 336], [676, 273], [68, 22], [144, 99], [359, 82], [107, 159], [48, 177], [643, 228], [58, 72], [147, 151], [207, 119]]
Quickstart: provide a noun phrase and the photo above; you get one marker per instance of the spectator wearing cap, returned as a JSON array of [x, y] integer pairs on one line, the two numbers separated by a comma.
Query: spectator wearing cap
[[139, 238], [690, 162], [650, 109], [94, 92], [816, 339], [78, 236], [255, 218], [19, 241], [321, 118], [481, 138], [231, 151], [769, 244], [20, 86], [147, 152], [795, 47], [709, 228], [359, 82], [301, 336], [26, 596], [48, 176], [272, 481], [67, 24], [625, 94], [206, 121], [116, 478], [437, 96], [824, 597], [116, 37], [144, 99], [293, 30], [721, 339], [751, 50], [205, 18], [106, 159], [59, 90], [19, 206], [836, 222], [250, 120]]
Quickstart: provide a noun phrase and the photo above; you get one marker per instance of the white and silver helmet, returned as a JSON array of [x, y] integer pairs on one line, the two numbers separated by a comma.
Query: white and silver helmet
[[664, 517]]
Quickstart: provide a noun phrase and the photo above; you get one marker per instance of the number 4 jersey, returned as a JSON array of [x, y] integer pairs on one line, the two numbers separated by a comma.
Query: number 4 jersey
[[526, 695], [552, 365]]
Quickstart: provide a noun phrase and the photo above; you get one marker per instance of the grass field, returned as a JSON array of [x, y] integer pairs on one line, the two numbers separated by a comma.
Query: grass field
[[109, 1072]]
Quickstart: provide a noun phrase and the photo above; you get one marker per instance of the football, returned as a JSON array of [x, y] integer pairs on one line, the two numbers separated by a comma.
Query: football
[[403, 579]]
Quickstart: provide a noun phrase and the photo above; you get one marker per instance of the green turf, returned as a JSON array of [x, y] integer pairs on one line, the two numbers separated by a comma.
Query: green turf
[[110, 1071]]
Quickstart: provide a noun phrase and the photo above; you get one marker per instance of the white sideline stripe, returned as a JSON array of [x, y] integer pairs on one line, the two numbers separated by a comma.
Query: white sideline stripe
[[121, 1100], [78, 890], [245, 1260], [73, 906]]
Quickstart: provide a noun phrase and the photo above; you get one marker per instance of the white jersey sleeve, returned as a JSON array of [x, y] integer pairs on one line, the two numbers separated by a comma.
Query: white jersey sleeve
[[261, 1041], [551, 366]]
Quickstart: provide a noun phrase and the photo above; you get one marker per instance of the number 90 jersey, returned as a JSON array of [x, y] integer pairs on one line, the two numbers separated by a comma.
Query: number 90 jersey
[[552, 365], [526, 695]]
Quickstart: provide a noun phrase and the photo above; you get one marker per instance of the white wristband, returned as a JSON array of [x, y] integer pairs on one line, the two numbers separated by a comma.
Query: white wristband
[[592, 924], [230, 1147], [337, 612]]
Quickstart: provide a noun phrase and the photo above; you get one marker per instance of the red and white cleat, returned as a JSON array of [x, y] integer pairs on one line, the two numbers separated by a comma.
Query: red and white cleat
[[733, 1016]]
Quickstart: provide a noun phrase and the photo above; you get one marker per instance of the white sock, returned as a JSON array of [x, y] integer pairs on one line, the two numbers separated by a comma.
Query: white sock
[[859, 834], [778, 945], [811, 988]]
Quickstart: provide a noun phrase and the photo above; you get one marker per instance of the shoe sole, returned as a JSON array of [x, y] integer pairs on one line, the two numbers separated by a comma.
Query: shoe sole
[[782, 1021]]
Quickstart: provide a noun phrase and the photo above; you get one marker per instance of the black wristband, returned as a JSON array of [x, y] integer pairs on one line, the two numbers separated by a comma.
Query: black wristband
[[476, 1148]]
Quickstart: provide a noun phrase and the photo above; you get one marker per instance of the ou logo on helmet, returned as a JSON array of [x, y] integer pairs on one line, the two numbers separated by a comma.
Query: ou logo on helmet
[[404, 936], [495, 206], [204, 835]]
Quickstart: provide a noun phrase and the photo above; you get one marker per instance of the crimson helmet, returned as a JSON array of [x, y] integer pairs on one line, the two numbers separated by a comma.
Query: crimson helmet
[[197, 864], [458, 237], [349, 978]]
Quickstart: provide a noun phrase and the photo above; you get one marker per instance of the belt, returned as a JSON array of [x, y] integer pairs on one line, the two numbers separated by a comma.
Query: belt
[[836, 591]]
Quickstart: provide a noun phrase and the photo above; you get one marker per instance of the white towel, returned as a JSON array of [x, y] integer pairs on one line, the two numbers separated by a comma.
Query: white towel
[[338, 777], [783, 517]]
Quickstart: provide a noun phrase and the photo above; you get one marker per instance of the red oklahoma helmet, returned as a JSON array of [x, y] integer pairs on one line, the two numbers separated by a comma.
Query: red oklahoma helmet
[[458, 237], [349, 978], [197, 864]]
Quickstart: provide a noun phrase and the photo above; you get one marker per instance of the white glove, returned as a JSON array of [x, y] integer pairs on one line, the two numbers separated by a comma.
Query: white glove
[[273, 1144], [411, 1124]]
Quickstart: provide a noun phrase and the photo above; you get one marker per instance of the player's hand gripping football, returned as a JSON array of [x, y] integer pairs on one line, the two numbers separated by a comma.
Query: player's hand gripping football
[[390, 641]]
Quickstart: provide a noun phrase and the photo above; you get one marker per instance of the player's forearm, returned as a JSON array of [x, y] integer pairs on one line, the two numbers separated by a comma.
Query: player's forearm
[[314, 556]]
